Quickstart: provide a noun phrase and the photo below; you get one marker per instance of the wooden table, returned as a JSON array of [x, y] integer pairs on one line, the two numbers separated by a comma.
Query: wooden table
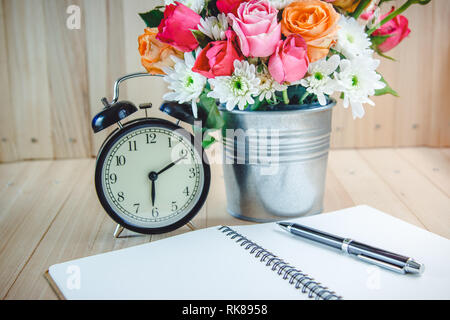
[[49, 212]]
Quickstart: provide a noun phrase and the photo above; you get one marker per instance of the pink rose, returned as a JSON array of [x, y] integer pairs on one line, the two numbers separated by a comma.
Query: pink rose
[[227, 6], [257, 27], [175, 28], [290, 61], [397, 29], [217, 58]]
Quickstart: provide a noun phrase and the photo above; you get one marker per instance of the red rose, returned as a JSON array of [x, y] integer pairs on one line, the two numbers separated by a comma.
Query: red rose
[[397, 29], [217, 58], [175, 28], [227, 6]]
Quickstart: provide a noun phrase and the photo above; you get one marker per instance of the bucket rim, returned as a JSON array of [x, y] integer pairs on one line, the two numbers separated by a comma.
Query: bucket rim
[[302, 108]]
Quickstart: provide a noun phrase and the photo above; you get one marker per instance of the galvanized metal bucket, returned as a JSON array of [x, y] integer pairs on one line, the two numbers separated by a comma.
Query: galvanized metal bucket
[[275, 161]]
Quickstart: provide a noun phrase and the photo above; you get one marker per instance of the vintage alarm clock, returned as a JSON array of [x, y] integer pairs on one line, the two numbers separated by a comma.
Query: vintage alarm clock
[[150, 176]]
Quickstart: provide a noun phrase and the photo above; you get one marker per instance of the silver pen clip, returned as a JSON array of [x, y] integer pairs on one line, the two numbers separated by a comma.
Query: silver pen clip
[[382, 264]]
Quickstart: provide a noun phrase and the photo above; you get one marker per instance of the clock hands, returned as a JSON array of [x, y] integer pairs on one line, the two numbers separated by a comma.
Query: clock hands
[[153, 192], [153, 176], [171, 165]]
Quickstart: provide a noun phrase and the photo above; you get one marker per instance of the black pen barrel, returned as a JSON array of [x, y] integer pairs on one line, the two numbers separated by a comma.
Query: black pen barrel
[[357, 248]]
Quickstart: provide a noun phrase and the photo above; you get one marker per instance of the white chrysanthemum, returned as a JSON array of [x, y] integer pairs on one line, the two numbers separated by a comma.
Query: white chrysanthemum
[[319, 82], [186, 85], [357, 79], [280, 4], [352, 40], [214, 27], [195, 5], [237, 89], [268, 86]]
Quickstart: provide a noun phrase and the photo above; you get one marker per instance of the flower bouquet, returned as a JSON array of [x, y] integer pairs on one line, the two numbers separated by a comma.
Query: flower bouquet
[[257, 54], [260, 64]]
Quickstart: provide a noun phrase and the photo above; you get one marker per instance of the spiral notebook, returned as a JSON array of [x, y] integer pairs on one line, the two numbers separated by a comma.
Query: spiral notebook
[[263, 262]]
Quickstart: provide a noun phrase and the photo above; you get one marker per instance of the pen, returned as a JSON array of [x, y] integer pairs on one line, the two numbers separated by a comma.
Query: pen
[[379, 257]]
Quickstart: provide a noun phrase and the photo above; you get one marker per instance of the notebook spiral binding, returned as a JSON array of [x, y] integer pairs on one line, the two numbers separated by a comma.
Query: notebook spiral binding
[[302, 281]]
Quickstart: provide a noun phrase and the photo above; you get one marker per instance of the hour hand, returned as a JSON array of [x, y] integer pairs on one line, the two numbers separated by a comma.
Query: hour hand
[[171, 165]]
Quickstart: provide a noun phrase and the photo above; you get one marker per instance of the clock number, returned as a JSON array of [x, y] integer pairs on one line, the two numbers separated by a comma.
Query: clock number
[[151, 138], [170, 142], [186, 191], [192, 171], [113, 178], [137, 205], [132, 145], [120, 197], [120, 160], [174, 206], [155, 213]]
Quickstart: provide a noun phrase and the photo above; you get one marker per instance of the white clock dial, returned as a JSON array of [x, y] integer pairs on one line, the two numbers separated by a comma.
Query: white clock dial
[[152, 177]]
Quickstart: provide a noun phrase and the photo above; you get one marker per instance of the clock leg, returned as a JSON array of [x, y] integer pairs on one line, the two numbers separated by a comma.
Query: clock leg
[[191, 226], [118, 231]]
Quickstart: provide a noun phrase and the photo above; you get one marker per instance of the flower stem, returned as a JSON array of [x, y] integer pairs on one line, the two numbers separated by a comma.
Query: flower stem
[[392, 15], [285, 97], [360, 8]]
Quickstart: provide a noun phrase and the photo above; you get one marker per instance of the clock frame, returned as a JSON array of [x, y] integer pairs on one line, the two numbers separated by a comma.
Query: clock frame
[[117, 135]]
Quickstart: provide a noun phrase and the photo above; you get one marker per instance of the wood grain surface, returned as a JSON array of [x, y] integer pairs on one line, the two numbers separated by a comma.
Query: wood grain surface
[[49, 211]]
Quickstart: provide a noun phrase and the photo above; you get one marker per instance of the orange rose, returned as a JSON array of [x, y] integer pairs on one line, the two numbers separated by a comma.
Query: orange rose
[[347, 5], [316, 21], [154, 53]]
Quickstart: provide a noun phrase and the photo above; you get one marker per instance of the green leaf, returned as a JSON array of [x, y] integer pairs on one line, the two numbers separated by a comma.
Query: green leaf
[[377, 40], [296, 93], [214, 119], [152, 18], [386, 90], [256, 105], [201, 38], [208, 141]]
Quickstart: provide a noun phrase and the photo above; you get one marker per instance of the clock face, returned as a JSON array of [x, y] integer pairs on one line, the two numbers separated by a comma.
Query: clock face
[[151, 177]]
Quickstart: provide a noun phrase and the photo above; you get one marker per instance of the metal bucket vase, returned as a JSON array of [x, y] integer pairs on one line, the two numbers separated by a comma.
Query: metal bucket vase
[[275, 161]]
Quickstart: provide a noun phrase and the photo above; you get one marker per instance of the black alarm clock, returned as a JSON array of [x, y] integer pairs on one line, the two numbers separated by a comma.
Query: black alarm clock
[[150, 176]]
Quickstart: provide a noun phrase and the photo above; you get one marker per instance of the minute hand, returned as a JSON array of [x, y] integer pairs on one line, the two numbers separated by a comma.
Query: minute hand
[[153, 192], [171, 165]]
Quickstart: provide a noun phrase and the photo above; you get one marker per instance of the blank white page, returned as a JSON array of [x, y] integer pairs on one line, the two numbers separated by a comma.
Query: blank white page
[[206, 264]]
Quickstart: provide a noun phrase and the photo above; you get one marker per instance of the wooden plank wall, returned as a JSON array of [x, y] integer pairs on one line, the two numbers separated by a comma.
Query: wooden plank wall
[[52, 79]]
